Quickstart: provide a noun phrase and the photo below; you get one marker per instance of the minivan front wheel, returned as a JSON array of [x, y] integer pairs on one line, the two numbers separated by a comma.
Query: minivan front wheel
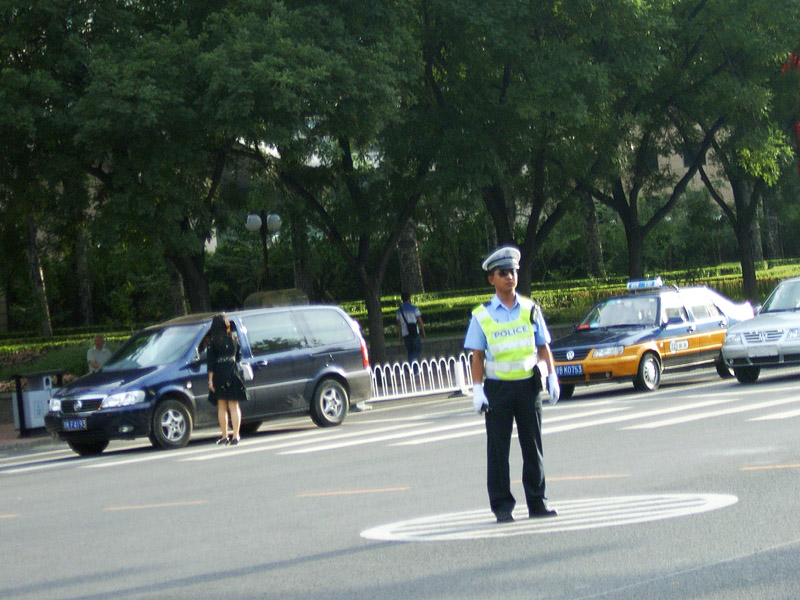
[[172, 425], [88, 448], [330, 402]]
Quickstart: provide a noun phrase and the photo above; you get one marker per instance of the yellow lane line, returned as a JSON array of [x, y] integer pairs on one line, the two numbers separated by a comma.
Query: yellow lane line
[[770, 467], [352, 492], [148, 506], [8, 516]]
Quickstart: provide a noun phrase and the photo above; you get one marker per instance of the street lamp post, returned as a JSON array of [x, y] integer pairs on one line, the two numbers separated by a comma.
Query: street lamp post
[[267, 224]]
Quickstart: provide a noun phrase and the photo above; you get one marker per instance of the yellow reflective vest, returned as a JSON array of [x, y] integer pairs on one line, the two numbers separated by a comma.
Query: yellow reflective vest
[[512, 345]]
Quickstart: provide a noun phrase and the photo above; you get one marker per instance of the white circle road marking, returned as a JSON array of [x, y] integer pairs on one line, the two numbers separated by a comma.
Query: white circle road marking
[[573, 515]]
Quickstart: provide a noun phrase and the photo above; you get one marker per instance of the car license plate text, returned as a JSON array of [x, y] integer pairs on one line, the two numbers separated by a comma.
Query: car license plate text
[[74, 424], [568, 370]]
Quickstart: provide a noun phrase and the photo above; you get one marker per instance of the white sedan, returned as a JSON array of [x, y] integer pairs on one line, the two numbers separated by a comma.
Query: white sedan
[[770, 339]]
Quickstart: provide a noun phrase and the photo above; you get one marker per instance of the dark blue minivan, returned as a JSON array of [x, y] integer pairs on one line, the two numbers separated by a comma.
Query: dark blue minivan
[[305, 359]]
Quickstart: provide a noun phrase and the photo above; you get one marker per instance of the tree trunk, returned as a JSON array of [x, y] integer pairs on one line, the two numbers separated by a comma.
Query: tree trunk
[[741, 217], [524, 277], [745, 199], [177, 294], [743, 241], [300, 253], [84, 284], [772, 236], [595, 263], [755, 238], [3, 312], [410, 268], [635, 239], [495, 200], [194, 280], [37, 279], [377, 337]]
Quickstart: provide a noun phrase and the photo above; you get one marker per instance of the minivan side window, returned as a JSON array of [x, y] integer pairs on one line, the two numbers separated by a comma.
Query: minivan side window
[[327, 327], [274, 332]]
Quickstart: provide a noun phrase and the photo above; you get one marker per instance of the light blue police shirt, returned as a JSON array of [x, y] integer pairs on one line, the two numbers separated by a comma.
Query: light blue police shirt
[[476, 339]]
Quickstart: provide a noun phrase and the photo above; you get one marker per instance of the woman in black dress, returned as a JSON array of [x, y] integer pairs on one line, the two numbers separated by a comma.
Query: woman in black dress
[[225, 385]]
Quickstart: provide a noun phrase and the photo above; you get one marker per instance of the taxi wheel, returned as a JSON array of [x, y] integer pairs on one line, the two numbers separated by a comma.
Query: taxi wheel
[[747, 374], [567, 389], [649, 376]]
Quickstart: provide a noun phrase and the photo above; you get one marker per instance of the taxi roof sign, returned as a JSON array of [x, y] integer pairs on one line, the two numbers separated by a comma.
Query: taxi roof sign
[[644, 284]]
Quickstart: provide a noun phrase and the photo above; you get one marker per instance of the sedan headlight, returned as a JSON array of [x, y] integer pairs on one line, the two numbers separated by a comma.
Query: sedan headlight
[[123, 399], [793, 334], [55, 404], [733, 338], [610, 351]]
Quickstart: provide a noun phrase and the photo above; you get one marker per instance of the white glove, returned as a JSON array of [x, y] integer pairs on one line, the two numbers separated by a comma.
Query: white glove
[[479, 399], [553, 388]]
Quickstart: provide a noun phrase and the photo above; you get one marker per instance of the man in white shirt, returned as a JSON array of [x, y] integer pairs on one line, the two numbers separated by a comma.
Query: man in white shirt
[[98, 354]]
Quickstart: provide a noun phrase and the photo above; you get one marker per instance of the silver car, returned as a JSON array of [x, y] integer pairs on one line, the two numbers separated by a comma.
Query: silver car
[[770, 339]]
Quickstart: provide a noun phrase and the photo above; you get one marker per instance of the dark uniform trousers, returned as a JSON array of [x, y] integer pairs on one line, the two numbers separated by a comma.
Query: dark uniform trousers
[[509, 401]]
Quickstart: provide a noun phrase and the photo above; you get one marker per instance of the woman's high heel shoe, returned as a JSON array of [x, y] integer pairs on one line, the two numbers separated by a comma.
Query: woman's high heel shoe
[[223, 441]]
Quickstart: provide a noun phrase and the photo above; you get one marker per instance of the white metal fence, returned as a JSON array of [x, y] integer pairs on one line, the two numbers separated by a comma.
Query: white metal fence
[[421, 378]]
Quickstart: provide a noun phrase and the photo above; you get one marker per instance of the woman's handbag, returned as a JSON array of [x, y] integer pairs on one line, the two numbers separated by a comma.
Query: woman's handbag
[[247, 371]]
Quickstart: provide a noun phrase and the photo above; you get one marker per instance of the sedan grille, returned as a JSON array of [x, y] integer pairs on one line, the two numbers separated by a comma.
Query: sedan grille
[[762, 337], [75, 405], [561, 355]]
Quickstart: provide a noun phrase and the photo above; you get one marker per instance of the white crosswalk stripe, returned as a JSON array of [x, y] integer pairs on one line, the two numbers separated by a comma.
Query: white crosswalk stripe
[[445, 423], [716, 413], [789, 414]]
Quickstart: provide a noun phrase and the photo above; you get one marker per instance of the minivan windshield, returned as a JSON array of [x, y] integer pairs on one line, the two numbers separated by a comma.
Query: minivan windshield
[[785, 297], [153, 347]]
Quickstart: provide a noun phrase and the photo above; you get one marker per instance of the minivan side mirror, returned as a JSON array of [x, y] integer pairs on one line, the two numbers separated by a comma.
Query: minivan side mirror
[[199, 357]]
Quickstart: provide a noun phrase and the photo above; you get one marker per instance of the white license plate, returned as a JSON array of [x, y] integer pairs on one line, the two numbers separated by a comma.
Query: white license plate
[[569, 370], [74, 424], [758, 351]]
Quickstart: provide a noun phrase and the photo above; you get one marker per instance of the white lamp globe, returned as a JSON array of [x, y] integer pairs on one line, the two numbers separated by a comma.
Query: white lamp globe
[[253, 222], [273, 222]]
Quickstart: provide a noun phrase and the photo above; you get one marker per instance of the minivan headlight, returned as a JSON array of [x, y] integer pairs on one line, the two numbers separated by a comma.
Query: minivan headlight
[[123, 399], [610, 351]]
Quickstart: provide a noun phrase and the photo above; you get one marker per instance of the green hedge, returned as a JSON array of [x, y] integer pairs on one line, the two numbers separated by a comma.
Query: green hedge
[[445, 313]]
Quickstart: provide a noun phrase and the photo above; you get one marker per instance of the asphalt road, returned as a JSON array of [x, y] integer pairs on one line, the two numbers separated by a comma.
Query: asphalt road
[[687, 492]]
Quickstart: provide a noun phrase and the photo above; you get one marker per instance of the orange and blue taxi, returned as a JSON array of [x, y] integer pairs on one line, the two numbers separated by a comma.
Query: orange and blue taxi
[[651, 329]]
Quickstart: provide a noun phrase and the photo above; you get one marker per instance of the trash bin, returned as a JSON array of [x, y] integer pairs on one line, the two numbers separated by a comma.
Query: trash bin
[[31, 405]]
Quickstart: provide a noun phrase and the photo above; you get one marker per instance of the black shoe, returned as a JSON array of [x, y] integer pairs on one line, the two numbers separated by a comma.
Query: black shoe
[[505, 517], [235, 441], [222, 441], [540, 509]]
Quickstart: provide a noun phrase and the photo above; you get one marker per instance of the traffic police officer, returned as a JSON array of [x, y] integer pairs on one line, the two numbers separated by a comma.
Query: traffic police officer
[[509, 340]]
